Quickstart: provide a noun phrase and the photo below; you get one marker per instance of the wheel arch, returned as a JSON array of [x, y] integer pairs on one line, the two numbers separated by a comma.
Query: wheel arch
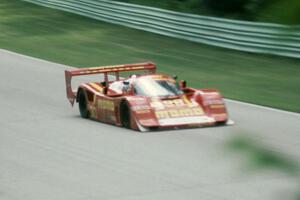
[[80, 89], [133, 123]]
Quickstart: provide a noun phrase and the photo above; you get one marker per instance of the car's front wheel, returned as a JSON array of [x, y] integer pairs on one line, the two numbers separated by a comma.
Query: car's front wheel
[[125, 115]]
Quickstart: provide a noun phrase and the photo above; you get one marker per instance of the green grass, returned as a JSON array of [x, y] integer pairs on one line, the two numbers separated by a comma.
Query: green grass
[[78, 41]]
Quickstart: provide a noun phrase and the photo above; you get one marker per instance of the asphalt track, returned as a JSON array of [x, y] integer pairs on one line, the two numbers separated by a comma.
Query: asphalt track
[[48, 152]]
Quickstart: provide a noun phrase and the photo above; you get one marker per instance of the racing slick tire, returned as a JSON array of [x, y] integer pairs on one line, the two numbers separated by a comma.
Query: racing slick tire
[[125, 115], [82, 102]]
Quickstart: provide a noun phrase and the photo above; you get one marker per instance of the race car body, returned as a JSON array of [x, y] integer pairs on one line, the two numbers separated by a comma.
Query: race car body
[[144, 101]]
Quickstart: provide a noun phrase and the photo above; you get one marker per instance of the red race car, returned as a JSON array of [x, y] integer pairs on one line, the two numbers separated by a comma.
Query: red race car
[[144, 100]]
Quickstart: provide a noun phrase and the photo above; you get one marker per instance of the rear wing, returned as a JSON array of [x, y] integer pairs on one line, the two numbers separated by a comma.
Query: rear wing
[[105, 70]]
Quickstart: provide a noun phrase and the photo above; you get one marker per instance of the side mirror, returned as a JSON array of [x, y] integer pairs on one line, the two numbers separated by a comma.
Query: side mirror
[[182, 84], [105, 90]]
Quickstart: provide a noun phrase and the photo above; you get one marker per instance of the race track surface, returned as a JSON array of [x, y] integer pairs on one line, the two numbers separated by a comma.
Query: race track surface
[[48, 152]]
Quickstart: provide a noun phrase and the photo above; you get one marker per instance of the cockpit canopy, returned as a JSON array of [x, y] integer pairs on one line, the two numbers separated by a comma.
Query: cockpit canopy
[[148, 85]]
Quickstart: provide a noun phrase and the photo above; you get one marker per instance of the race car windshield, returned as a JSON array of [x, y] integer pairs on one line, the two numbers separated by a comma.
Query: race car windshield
[[156, 88]]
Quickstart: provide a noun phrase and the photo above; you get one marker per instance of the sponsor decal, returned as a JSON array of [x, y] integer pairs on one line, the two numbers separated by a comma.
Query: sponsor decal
[[143, 111], [217, 106], [174, 113], [162, 114], [110, 69], [106, 104], [138, 101], [97, 87], [198, 111], [179, 102], [172, 103], [140, 107], [91, 88], [157, 105]]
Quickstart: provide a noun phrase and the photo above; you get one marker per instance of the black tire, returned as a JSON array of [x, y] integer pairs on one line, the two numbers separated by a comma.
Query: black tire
[[125, 115], [222, 123], [82, 102]]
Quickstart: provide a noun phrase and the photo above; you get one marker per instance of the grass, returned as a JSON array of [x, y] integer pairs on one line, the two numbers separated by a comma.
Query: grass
[[81, 42]]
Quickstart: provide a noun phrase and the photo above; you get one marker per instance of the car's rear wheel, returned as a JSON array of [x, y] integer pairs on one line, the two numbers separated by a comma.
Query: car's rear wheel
[[125, 115], [82, 101]]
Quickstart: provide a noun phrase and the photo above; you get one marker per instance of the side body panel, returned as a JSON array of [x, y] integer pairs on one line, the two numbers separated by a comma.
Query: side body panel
[[101, 107]]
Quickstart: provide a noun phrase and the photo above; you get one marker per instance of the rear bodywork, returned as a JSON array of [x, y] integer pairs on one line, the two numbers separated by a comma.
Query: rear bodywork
[[192, 108]]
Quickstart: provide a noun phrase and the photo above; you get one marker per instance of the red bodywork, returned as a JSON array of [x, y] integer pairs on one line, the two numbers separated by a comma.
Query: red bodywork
[[192, 108]]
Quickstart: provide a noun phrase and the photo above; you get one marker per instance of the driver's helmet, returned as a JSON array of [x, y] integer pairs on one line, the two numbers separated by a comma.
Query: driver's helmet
[[127, 84], [126, 87]]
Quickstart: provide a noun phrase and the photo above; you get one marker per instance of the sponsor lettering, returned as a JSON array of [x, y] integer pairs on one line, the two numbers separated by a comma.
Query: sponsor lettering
[[140, 107], [106, 105], [217, 106], [143, 111], [188, 112]]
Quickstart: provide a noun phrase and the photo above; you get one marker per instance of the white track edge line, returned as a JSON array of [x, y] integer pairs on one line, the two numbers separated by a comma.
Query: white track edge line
[[33, 58], [263, 107]]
